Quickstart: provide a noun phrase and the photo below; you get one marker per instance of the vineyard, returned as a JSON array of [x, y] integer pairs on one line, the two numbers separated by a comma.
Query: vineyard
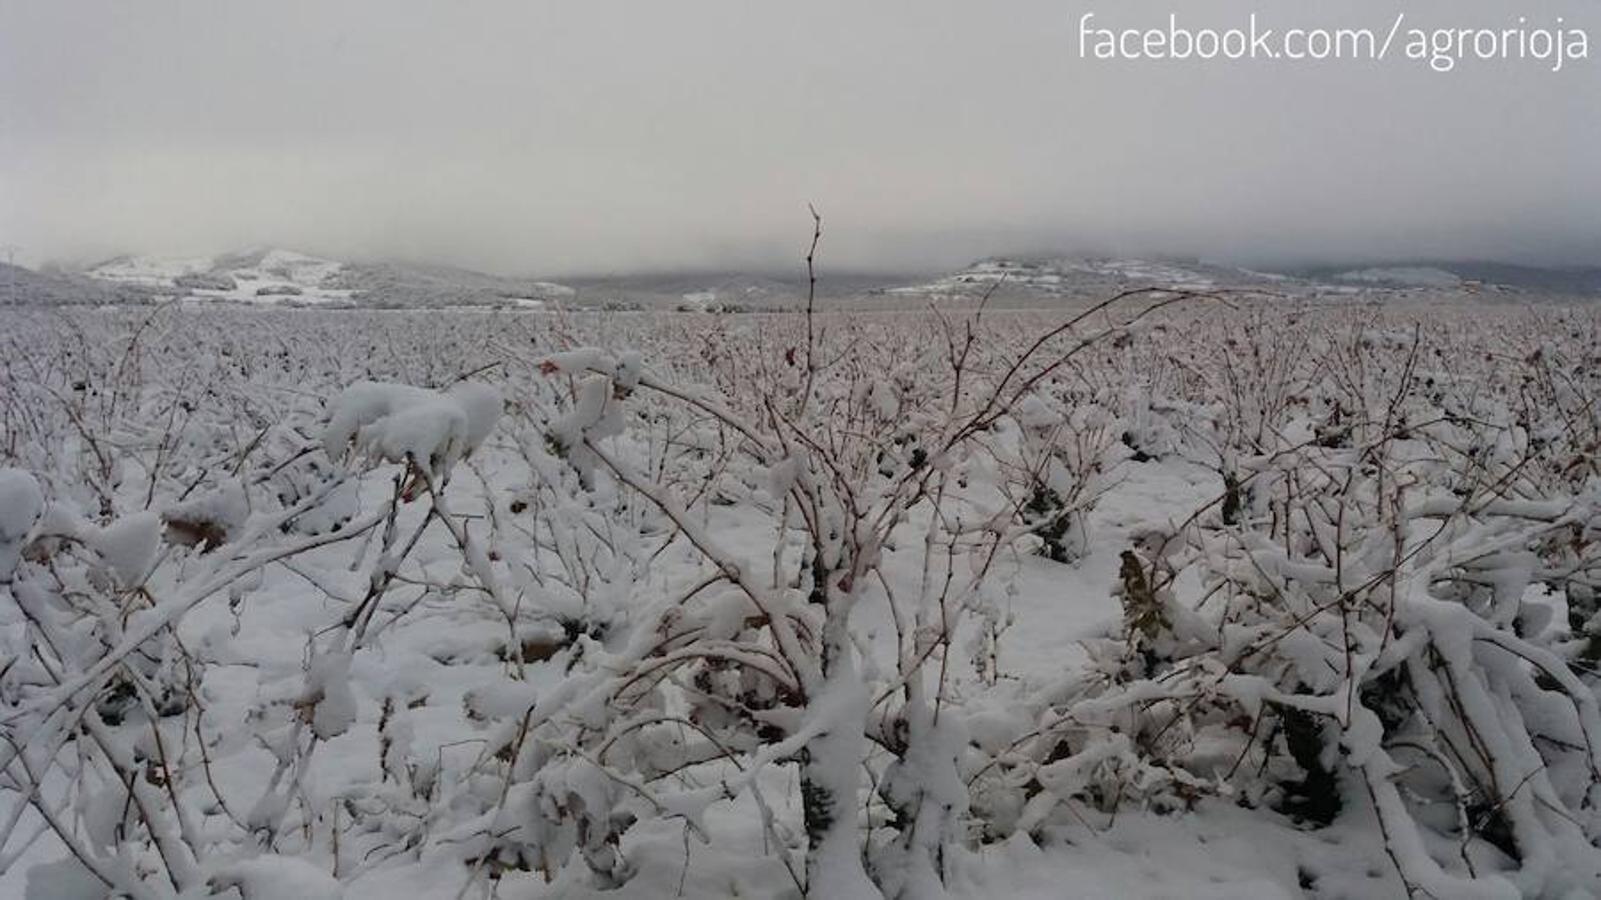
[[1302, 597]]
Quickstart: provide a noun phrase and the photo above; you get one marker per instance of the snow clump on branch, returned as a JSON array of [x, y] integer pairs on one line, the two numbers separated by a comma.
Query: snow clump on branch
[[397, 422]]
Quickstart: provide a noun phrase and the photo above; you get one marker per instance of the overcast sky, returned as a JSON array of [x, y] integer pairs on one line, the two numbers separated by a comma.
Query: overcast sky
[[551, 137]]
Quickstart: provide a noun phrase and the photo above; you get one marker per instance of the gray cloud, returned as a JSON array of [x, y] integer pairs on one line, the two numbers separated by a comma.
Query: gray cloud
[[551, 137]]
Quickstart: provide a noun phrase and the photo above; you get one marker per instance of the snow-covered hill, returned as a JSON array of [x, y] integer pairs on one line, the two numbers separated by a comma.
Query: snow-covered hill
[[1034, 278], [394, 284], [257, 276], [286, 277], [150, 271], [25, 287], [1405, 276], [1075, 276]]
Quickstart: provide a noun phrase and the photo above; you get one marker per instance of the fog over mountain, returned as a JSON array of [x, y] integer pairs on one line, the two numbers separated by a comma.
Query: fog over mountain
[[545, 138]]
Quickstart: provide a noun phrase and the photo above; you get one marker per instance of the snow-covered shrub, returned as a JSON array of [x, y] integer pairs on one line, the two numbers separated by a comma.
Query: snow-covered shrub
[[161, 494], [1359, 626], [751, 666], [1060, 460], [89, 628], [399, 423], [759, 574]]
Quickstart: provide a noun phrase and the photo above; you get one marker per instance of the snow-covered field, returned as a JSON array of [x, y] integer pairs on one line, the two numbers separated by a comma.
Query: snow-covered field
[[1182, 596]]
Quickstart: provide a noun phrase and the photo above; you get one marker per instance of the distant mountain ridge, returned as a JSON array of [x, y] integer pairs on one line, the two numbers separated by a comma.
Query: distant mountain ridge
[[287, 277], [1090, 276], [411, 284], [275, 276], [1582, 281], [1073, 276]]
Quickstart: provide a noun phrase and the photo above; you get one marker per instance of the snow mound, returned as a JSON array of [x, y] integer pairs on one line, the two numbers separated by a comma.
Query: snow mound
[[397, 422], [209, 519], [278, 878], [21, 504], [128, 545]]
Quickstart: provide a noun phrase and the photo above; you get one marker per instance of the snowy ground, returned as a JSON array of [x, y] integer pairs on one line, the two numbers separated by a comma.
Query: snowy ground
[[392, 744], [1218, 853]]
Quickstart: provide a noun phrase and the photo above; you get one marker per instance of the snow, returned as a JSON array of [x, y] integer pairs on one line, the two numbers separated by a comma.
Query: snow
[[1410, 276], [550, 290], [63, 880], [278, 878], [21, 505], [329, 693], [152, 271], [129, 545], [479, 723], [1065, 275], [297, 268], [269, 276], [212, 517], [397, 423]]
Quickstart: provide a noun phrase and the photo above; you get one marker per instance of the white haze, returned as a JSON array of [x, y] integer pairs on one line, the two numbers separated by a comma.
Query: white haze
[[606, 136]]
